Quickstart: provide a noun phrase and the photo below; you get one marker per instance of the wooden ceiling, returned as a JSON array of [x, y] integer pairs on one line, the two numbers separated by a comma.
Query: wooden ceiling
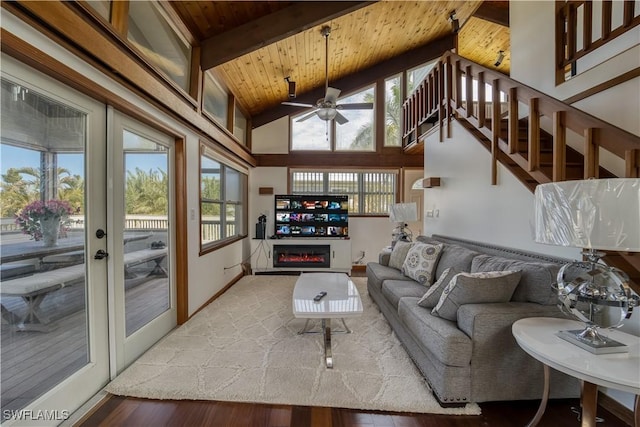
[[253, 45]]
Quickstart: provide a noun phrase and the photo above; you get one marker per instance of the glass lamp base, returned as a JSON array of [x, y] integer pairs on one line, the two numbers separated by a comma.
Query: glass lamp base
[[591, 341]]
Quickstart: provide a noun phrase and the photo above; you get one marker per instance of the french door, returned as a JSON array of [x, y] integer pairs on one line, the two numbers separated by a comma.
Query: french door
[[141, 283], [75, 314], [55, 351]]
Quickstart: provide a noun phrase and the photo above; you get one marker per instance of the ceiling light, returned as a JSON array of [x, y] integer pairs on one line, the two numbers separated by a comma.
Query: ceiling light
[[327, 113], [455, 24], [291, 87]]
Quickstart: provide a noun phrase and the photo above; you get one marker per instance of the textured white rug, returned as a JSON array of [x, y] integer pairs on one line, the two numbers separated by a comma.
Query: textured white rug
[[244, 347]]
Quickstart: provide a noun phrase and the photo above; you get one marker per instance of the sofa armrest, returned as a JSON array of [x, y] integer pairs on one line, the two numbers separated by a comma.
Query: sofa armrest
[[384, 256], [481, 320]]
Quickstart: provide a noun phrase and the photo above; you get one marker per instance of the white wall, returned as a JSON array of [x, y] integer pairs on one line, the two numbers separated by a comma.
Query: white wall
[[206, 273]]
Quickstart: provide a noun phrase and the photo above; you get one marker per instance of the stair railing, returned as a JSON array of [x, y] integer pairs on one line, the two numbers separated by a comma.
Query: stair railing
[[457, 87]]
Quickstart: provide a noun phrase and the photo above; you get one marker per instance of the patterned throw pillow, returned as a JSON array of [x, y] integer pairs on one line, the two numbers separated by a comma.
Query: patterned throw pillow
[[476, 288], [432, 296], [399, 254], [421, 261]]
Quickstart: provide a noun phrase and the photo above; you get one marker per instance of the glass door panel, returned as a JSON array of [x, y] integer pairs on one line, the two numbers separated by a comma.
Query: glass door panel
[[146, 270], [141, 242], [53, 331]]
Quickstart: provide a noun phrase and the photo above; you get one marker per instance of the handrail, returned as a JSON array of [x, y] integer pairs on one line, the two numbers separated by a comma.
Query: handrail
[[440, 95]]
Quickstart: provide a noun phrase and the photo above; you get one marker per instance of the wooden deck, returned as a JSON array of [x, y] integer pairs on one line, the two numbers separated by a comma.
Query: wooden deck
[[34, 362]]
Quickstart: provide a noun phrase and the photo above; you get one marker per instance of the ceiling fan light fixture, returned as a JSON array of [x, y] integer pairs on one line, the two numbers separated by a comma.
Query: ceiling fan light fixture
[[327, 113]]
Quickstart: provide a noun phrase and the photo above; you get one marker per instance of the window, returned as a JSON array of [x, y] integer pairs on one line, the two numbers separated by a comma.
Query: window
[[359, 133], [151, 33], [416, 75], [309, 132], [240, 126], [223, 195], [370, 192], [215, 100], [392, 110]]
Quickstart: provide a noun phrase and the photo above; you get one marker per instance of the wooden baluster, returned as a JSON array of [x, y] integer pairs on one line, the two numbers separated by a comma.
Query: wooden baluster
[[513, 120], [628, 13], [606, 19], [482, 101], [495, 125], [591, 155], [440, 98], [559, 146], [469, 91], [632, 163], [534, 135], [449, 95]]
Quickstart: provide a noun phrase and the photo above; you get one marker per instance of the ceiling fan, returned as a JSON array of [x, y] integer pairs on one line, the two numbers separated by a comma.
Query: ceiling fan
[[327, 108]]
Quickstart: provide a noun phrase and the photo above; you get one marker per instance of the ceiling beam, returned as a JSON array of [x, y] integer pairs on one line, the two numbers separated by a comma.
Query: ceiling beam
[[355, 81], [271, 28], [494, 11]]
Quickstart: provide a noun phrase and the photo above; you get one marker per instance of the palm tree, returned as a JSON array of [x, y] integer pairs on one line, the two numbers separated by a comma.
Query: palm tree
[[393, 114], [146, 192]]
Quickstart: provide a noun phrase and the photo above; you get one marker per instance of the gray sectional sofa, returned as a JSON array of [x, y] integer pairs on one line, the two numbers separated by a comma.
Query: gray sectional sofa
[[475, 358]]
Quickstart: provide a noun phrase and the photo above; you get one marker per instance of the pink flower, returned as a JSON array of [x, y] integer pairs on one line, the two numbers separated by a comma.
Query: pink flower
[[30, 216]]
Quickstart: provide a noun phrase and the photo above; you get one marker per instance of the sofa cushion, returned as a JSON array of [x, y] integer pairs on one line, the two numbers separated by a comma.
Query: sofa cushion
[[476, 288], [436, 336], [393, 290], [399, 254], [421, 261], [455, 256], [376, 274], [535, 283], [432, 296]]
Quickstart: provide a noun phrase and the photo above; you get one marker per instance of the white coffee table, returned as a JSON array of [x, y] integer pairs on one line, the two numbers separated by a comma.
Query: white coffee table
[[342, 301], [621, 371]]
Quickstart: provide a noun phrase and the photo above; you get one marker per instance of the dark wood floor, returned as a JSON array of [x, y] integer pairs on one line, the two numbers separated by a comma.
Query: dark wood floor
[[121, 411]]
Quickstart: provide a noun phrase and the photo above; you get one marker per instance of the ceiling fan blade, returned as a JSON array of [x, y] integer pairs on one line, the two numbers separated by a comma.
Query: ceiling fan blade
[[332, 95], [340, 118], [356, 106], [297, 104], [307, 117]]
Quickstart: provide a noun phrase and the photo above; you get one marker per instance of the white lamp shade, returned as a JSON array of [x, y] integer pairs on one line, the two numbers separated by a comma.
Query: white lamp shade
[[403, 212], [592, 214]]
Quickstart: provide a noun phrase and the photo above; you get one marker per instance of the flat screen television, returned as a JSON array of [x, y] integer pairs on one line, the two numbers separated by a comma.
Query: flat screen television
[[311, 216]]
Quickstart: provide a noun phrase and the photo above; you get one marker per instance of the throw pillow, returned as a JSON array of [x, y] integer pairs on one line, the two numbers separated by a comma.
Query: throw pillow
[[432, 296], [399, 254], [421, 262], [476, 288]]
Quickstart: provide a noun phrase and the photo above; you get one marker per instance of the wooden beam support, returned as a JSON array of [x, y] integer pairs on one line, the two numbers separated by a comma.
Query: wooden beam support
[[272, 28], [449, 95], [441, 98], [482, 101], [494, 11], [468, 83]]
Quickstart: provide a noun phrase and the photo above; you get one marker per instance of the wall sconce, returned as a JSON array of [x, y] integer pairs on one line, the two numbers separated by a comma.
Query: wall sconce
[[431, 182], [455, 24], [292, 87], [499, 58]]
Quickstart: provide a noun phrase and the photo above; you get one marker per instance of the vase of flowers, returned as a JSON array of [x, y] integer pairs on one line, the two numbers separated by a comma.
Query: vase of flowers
[[41, 220]]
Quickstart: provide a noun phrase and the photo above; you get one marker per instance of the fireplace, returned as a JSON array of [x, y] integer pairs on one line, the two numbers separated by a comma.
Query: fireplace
[[308, 256]]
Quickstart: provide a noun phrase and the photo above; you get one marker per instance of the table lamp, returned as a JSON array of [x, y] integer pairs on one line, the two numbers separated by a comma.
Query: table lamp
[[401, 213], [594, 214]]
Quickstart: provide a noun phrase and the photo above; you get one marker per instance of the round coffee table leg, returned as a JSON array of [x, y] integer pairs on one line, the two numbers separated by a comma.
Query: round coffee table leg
[[326, 333]]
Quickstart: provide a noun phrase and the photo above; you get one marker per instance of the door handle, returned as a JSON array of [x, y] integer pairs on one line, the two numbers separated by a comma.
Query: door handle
[[100, 254], [100, 233]]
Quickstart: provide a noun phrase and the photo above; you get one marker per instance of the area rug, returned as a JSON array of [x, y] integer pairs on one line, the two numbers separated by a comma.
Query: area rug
[[245, 347]]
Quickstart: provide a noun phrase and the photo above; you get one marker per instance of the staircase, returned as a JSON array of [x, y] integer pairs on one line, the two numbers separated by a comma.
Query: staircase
[[538, 138]]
